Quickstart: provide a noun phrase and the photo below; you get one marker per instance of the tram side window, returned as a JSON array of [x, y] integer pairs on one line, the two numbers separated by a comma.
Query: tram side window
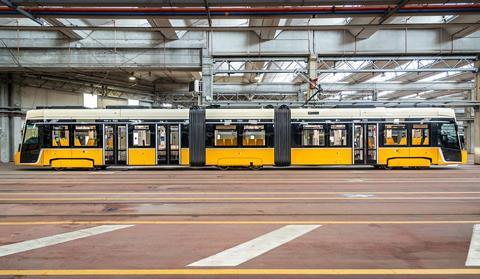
[[420, 135], [225, 135], [448, 136], [141, 136], [85, 135], [253, 135], [313, 135], [60, 136], [395, 135], [31, 140], [338, 135]]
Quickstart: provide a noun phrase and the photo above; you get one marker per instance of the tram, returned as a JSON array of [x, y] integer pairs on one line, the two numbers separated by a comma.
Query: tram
[[381, 137]]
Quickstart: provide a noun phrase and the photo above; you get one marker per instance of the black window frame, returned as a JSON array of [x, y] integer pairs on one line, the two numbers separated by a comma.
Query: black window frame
[[410, 136], [382, 129], [151, 129], [326, 134], [211, 127], [99, 138], [347, 135]]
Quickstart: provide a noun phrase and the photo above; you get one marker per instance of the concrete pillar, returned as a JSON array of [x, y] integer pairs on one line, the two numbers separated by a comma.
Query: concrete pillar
[[5, 146], [476, 121], [312, 72], [207, 77]]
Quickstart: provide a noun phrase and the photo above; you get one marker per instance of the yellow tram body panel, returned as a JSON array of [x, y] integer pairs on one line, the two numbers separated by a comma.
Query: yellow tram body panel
[[239, 156], [185, 156], [413, 157], [321, 156], [67, 158], [142, 157]]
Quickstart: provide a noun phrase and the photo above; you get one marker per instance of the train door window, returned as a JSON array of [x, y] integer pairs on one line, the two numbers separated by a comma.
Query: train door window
[[338, 135], [225, 135], [372, 143], [359, 144], [174, 144], [122, 144], [395, 135], [448, 136], [420, 135], [60, 136], [109, 144], [162, 144], [313, 135], [141, 136], [85, 135], [253, 135]]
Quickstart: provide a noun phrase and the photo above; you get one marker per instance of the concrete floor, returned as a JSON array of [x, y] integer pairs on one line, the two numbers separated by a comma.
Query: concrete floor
[[374, 223]]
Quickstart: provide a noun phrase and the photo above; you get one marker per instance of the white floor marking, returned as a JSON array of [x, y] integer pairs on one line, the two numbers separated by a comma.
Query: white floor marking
[[473, 258], [23, 246], [255, 247]]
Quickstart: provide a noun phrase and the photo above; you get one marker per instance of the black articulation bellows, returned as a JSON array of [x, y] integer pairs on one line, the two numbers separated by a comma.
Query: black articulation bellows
[[282, 136], [196, 143]]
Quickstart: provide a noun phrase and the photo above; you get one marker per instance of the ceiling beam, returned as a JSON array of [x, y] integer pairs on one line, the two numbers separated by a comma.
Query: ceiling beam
[[364, 33], [166, 28], [392, 86], [459, 32], [22, 11], [265, 34], [196, 3], [69, 33], [366, 26]]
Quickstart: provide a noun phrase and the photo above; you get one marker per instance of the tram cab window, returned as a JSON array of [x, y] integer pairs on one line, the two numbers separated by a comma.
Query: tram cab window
[[225, 135], [85, 135], [60, 136], [338, 135], [313, 135], [395, 135], [253, 135], [141, 136], [448, 136], [420, 135]]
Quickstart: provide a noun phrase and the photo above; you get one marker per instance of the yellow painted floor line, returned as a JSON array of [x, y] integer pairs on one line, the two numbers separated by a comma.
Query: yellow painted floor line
[[126, 272], [228, 193], [231, 198], [280, 222]]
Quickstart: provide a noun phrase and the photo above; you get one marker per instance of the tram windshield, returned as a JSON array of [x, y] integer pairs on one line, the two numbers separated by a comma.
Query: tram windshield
[[448, 136]]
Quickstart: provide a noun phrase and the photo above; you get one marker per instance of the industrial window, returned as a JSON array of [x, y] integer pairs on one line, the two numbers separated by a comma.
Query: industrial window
[[338, 135], [253, 135], [313, 135], [60, 136], [420, 135], [225, 135], [395, 135], [141, 136], [85, 135], [448, 136]]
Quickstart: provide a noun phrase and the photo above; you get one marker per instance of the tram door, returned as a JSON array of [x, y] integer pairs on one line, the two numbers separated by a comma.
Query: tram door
[[365, 144], [168, 144], [115, 143]]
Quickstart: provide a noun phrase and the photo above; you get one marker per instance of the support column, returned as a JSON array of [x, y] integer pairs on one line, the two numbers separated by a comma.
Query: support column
[[5, 145], [476, 121], [16, 120], [207, 77], [312, 72]]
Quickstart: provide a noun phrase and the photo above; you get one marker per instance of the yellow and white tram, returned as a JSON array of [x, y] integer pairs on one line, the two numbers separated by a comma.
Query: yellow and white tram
[[98, 138]]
